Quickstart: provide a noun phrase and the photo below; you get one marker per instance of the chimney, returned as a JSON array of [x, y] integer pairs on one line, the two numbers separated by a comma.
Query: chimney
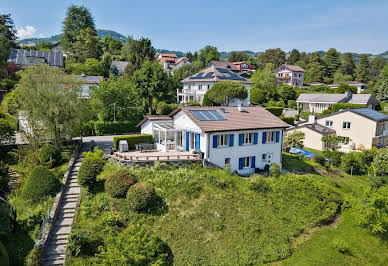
[[312, 119], [240, 107], [348, 95]]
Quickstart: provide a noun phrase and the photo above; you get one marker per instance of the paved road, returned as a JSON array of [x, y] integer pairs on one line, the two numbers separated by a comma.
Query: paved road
[[104, 143]]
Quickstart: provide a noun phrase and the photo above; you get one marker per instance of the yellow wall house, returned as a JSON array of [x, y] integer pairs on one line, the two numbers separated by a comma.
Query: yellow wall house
[[365, 128]]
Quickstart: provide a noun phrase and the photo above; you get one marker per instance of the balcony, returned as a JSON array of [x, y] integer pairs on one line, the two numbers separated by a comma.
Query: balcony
[[283, 77]]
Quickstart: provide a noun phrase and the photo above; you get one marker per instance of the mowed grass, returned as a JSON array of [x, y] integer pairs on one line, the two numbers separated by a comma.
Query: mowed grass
[[208, 216]]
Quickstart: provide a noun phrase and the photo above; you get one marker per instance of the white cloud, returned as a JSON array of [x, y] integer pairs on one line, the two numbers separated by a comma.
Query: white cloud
[[27, 32]]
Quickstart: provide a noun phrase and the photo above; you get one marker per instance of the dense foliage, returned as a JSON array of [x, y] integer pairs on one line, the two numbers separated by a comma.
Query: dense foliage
[[294, 139], [50, 154], [40, 183], [90, 168], [118, 183], [223, 92], [140, 196]]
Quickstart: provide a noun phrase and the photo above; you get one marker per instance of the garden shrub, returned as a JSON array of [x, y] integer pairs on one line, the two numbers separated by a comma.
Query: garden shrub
[[83, 242], [288, 120], [278, 111], [4, 177], [378, 181], [40, 183], [28, 222], [118, 127], [341, 246], [50, 153], [335, 156], [319, 159], [118, 183], [34, 257], [90, 168], [380, 161], [132, 140], [4, 259], [353, 162], [274, 170], [136, 245], [140, 196], [260, 185]]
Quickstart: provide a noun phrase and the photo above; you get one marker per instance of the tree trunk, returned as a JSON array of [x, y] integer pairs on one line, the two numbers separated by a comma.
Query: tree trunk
[[151, 110]]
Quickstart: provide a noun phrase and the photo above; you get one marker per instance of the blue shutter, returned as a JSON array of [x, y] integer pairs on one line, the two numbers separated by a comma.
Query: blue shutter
[[197, 142], [277, 136], [215, 141], [240, 163], [231, 140], [264, 138], [255, 137], [253, 164], [240, 139], [187, 140]]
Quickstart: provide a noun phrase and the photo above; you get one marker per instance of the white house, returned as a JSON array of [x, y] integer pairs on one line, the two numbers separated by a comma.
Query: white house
[[88, 82], [359, 85], [245, 138], [171, 61], [317, 103], [195, 86], [290, 74]]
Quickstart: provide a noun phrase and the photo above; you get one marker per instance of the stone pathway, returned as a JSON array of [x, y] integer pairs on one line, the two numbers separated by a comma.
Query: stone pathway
[[55, 253]]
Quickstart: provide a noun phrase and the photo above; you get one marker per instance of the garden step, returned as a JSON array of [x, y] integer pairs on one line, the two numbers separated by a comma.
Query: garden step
[[69, 205], [66, 200], [73, 180], [52, 242], [71, 195], [64, 215], [72, 190], [59, 237], [71, 185], [64, 222], [54, 260], [66, 211], [56, 250], [62, 230]]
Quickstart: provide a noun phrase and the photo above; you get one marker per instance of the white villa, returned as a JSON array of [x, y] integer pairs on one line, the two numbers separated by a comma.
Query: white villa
[[290, 74], [317, 103], [195, 86], [245, 138]]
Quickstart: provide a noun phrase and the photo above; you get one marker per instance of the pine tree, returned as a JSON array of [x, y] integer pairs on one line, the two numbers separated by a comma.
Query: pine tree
[[363, 68], [294, 57], [382, 90], [332, 61], [348, 64]]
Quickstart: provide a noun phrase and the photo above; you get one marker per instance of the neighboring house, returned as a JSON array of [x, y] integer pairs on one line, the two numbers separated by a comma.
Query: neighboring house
[[365, 128], [244, 66], [25, 58], [88, 82], [243, 138], [290, 74], [236, 67], [195, 86], [317, 103], [118, 66], [360, 86], [171, 61]]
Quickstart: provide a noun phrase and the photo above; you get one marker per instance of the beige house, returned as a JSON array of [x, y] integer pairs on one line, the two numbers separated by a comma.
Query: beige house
[[365, 128]]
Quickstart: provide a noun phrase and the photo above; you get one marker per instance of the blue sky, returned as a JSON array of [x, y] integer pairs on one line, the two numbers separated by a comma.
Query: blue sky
[[357, 26]]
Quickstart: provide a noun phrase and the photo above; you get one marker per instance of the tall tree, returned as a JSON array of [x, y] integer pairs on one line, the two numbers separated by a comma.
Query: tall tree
[[127, 47], [238, 57], [140, 51], [316, 57], [376, 66], [50, 101], [192, 56], [382, 90], [207, 54], [151, 82], [264, 81], [315, 72], [363, 69], [272, 56], [7, 28], [305, 58], [112, 45], [87, 45], [348, 64], [294, 57], [77, 18], [332, 59], [225, 91]]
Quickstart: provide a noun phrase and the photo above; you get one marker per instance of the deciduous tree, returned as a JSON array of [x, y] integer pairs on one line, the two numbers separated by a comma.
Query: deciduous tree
[[207, 54], [221, 93], [294, 57], [139, 52], [295, 139], [382, 90], [87, 45], [273, 56]]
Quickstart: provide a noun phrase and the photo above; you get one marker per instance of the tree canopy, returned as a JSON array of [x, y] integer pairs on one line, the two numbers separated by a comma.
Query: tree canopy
[[363, 68], [348, 64], [137, 52], [87, 45], [333, 62], [207, 54], [294, 57], [238, 57], [221, 93], [273, 56]]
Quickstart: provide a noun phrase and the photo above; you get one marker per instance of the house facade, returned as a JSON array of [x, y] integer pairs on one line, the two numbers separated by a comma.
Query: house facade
[[245, 139], [244, 67], [195, 86], [171, 61], [290, 75], [317, 103], [363, 126]]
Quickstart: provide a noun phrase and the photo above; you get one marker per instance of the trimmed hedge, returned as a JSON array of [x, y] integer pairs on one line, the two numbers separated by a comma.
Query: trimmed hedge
[[133, 140], [40, 183], [48, 153], [288, 120], [90, 168], [104, 127], [140, 196], [278, 111], [118, 183]]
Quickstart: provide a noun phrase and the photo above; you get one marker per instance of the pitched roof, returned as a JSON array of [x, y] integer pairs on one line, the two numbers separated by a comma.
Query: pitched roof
[[255, 117], [181, 59], [364, 112], [223, 64], [213, 73], [292, 68], [336, 98], [350, 83], [168, 55], [92, 79], [317, 128], [120, 65], [154, 118], [33, 57]]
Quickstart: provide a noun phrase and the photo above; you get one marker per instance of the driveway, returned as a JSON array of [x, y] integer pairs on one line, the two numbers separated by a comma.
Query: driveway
[[104, 143]]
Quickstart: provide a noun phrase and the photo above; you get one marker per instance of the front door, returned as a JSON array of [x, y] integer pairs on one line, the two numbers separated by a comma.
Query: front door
[[197, 142]]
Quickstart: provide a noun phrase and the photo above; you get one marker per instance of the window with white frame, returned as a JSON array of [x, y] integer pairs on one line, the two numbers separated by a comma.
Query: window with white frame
[[227, 161], [271, 136], [247, 162], [248, 138], [200, 87], [223, 140], [329, 123], [346, 125], [179, 138]]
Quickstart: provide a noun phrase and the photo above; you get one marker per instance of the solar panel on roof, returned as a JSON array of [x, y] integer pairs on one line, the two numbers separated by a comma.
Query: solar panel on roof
[[208, 115], [208, 75], [371, 113]]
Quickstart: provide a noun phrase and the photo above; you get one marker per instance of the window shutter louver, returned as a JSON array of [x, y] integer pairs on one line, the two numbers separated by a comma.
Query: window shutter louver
[[255, 137], [264, 138], [277, 136], [231, 140], [240, 163], [240, 139], [253, 164], [215, 141]]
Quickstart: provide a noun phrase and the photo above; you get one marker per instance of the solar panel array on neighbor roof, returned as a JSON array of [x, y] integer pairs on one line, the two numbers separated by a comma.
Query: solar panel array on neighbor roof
[[372, 114], [208, 115], [25, 57]]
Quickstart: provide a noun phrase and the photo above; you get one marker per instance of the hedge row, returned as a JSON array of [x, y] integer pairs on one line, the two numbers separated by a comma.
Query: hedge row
[[132, 140], [103, 127], [278, 111]]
